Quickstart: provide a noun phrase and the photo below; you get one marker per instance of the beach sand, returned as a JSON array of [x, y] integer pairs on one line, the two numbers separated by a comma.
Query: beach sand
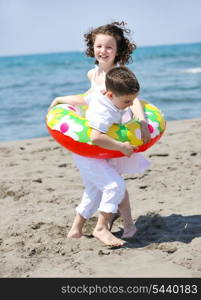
[[40, 188]]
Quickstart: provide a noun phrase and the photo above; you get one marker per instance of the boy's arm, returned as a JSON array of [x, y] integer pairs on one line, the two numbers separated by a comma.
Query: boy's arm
[[72, 100], [104, 141], [138, 112]]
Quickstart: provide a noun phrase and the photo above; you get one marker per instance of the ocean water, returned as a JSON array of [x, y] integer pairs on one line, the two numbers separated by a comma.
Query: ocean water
[[170, 78]]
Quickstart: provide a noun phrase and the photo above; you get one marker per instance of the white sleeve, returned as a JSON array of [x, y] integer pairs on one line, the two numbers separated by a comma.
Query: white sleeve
[[127, 116], [93, 95], [99, 124], [88, 98], [99, 120]]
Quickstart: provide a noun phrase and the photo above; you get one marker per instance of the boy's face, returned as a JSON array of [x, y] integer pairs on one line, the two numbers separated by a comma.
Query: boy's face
[[121, 102]]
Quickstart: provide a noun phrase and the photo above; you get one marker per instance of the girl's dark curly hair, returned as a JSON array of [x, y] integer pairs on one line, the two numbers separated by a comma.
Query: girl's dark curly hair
[[118, 31]]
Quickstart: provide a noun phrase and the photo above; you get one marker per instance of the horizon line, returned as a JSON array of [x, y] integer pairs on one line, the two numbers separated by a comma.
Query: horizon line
[[83, 50]]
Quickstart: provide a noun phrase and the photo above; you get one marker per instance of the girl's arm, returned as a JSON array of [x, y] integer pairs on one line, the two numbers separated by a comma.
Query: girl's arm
[[72, 100], [89, 76], [104, 141], [138, 112]]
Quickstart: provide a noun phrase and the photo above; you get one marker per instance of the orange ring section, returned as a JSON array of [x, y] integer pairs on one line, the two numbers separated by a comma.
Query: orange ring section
[[93, 150]]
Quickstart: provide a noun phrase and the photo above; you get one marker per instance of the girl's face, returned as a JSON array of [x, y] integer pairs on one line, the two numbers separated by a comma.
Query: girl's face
[[105, 49]]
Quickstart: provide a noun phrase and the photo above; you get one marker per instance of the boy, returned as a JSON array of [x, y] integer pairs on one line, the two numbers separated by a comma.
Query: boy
[[104, 186]]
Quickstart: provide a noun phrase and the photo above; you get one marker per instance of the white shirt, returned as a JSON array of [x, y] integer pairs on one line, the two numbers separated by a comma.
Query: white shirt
[[102, 113]]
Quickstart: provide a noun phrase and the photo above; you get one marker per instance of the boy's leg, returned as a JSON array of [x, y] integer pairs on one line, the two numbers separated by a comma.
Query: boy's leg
[[125, 211], [112, 187], [90, 200], [99, 175], [113, 218], [102, 232], [87, 207], [76, 229]]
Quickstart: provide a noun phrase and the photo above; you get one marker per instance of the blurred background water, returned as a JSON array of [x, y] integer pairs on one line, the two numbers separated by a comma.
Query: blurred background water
[[169, 76]]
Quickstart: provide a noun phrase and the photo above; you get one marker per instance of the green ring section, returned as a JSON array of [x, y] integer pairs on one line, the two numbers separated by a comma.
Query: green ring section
[[121, 132]]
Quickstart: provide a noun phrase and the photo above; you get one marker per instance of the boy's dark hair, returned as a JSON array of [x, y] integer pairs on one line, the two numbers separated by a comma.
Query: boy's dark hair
[[117, 30], [121, 81]]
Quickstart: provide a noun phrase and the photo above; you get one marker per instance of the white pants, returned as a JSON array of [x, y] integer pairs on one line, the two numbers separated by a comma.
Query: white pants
[[104, 186]]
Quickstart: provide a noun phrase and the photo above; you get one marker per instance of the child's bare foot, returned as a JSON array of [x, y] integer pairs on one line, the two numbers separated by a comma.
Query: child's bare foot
[[107, 237], [129, 232], [74, 234]]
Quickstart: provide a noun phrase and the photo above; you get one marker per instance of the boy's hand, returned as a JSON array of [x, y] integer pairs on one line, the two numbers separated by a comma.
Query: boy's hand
[[146, 136], [127, 149]]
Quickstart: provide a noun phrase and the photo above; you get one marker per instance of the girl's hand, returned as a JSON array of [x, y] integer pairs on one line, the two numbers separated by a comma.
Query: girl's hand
[[54, 102], [72, 100], [146, 136]]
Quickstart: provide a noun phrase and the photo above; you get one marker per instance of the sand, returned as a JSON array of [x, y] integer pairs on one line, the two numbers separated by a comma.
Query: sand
[[40, 188]]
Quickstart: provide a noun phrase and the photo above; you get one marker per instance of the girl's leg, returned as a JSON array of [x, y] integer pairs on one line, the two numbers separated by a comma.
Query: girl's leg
[[102, 233]]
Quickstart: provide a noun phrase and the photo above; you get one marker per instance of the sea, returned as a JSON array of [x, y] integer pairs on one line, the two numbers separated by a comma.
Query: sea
[[169, 76]]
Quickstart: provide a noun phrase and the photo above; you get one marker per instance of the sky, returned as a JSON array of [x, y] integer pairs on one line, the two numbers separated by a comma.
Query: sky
[[46, 26]]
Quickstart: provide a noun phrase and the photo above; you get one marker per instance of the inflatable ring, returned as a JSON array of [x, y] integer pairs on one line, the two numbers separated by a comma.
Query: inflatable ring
[[69, 127]]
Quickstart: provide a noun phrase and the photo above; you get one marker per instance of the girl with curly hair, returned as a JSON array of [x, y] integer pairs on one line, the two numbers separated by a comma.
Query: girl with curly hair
[[124, 47]]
